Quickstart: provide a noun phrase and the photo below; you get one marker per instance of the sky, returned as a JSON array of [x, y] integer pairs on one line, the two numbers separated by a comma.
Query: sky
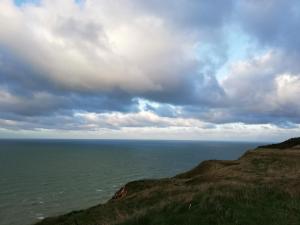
[[134, 69]]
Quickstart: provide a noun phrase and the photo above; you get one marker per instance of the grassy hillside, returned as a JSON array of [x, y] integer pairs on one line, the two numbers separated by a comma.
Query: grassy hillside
[[262, 187]]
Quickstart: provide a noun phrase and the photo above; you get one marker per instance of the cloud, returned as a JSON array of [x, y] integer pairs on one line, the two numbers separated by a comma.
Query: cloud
[[97, 47], [194, 14], [99, 50], [37, 103], [89, 65], [139, 119], [273, 23], [264, 89]]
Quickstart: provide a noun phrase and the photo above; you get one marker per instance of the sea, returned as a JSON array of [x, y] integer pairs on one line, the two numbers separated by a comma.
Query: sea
[[42, 178]]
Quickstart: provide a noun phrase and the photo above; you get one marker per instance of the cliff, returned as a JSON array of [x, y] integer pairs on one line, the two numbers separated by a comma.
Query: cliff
[[262, 187]]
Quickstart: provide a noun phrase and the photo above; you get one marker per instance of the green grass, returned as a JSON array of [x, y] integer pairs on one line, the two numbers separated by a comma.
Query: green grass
[[246, 206], [222, 205]]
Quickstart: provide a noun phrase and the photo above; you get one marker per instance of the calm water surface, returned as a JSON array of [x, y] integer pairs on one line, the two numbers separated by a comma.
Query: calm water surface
[[40, 178]]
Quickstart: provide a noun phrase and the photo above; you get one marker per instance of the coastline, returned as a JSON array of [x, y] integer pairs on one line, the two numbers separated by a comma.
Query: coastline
[[260, 187]]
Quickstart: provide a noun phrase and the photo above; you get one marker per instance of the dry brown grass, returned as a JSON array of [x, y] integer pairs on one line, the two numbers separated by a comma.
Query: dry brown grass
[[261, 172]]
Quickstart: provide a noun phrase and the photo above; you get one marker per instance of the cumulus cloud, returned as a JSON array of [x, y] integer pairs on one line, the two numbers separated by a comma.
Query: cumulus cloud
[[90, 65], [98, 46], [102, 48], [264, 89]]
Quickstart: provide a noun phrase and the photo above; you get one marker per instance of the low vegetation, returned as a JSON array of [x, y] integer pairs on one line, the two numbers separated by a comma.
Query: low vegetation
[[262, 187]]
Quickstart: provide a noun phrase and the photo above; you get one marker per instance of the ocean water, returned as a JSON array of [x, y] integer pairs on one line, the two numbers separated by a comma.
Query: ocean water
[[40, 178]]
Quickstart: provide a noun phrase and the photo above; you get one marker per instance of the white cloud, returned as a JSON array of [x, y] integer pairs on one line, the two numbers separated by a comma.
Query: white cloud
[[288, 89], [97, 46], [139, 119], [263, 84]]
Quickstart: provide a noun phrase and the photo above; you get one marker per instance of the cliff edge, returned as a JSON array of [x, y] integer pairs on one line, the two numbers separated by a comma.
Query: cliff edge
[[262, 187]]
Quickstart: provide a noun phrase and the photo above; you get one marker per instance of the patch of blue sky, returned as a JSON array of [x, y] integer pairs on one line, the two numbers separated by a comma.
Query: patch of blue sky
[[22, 2], [240, 47]]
